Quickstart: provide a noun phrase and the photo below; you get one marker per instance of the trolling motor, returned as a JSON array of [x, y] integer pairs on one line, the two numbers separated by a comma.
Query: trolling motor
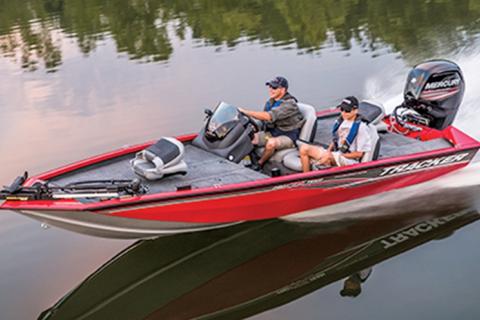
[[93, 189], [432, 95]]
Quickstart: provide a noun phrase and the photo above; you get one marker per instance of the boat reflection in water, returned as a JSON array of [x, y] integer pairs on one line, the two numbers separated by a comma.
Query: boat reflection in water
[[243, 270]]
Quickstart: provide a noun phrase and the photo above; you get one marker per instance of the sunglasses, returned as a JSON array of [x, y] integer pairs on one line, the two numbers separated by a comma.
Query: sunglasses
[[346, 110]]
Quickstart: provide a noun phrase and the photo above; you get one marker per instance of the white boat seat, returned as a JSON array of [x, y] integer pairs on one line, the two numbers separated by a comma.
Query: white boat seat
[[309, 127], [373, 153], [307, 133], [165, 157], [292, 159]]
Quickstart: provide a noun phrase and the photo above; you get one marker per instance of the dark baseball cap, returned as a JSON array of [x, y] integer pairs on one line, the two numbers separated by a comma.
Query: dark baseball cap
[[278, 82], [348, 104]]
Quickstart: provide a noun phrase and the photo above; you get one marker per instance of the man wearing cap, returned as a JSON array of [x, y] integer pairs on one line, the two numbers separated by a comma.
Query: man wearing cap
[[282, 117], [351, 140]]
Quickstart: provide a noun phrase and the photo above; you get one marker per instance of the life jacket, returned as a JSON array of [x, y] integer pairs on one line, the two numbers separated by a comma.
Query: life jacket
[[272, 127], [345, 147], [270, 107]]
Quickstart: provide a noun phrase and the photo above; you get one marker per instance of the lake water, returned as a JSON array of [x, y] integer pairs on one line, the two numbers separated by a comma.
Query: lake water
[[80, 78]]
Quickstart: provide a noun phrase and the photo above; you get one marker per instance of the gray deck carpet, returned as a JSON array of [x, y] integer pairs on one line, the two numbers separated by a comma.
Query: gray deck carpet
[[204, 170]]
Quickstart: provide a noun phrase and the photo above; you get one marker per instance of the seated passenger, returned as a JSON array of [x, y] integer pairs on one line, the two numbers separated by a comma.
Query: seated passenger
[[283, 118], [351, 140]]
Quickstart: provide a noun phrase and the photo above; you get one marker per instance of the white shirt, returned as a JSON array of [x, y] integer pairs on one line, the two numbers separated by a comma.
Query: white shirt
[[362, 141]]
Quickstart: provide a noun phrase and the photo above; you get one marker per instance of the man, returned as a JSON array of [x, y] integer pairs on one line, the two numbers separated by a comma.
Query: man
[[351, 140], [283, 120]]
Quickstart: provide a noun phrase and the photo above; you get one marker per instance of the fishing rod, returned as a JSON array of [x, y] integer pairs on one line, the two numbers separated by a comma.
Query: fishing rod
[[100, 189]]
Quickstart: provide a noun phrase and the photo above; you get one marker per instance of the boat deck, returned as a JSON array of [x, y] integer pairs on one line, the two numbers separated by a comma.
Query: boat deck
[[204, 170]]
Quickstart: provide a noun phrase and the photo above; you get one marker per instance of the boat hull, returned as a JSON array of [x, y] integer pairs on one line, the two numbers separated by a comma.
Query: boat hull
[[301, 200], [93, 224]]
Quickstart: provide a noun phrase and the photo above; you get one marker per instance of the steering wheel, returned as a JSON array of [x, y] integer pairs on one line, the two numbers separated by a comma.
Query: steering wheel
[[252, 121], [399, 117], [401, 121]]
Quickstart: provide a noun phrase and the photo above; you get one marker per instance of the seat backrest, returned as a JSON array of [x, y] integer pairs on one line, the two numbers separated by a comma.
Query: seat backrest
[[373, 153], [308, 130], [371, 112], [165, 157]]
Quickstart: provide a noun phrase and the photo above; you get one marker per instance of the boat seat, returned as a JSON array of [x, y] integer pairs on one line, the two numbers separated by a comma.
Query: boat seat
[[373, 113], [165, 157], [373, 154], [307, 133], [292, 159]]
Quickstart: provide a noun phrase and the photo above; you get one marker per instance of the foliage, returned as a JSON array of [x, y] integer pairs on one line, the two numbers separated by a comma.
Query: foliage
[[32, 32]]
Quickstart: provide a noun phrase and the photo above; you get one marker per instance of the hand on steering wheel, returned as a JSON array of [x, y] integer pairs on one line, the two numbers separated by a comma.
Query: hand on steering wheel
[[251, 120]]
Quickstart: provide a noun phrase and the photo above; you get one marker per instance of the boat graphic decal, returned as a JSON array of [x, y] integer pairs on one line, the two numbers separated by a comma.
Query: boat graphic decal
[[424, 164], [363, 177]]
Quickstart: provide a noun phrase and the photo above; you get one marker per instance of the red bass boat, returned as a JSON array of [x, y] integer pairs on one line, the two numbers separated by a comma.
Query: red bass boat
[[205, 181]]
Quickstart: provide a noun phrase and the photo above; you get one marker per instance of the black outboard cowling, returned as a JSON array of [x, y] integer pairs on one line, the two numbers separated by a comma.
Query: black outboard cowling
[[435, 90]]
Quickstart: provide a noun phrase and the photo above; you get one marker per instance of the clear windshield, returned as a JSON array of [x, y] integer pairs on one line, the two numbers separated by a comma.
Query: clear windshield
[[223, 119]]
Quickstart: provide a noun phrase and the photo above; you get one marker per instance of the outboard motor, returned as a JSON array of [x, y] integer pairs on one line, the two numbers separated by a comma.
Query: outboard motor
[[434, 90]]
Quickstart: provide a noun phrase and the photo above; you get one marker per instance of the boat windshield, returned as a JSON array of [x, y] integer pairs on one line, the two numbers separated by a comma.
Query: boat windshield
[[223, 120]]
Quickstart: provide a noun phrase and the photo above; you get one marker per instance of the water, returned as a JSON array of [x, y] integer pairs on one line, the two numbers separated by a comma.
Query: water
[[82, 77]]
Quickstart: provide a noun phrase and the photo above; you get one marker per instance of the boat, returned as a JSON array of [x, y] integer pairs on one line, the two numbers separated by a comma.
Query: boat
[[202, 181], [175, 278]]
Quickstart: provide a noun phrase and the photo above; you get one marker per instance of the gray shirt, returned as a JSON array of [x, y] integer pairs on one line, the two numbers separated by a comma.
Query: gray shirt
[[286, 116]]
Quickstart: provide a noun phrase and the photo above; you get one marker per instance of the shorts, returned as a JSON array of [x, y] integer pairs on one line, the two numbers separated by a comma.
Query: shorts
[[284, 142]]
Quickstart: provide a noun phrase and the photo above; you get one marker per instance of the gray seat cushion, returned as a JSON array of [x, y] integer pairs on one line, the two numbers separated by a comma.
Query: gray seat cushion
[[165, 157], [373, 153]]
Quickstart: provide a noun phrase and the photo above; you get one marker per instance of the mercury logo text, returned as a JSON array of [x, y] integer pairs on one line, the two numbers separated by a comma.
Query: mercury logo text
[[442, 84]]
